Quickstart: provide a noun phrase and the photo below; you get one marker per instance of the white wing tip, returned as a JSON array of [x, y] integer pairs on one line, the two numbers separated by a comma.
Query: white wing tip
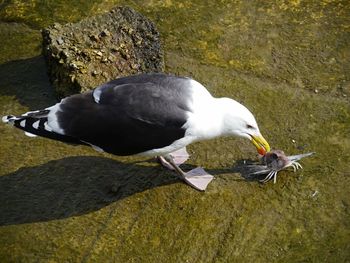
[[9, 119], [5, 119], [30, 134]]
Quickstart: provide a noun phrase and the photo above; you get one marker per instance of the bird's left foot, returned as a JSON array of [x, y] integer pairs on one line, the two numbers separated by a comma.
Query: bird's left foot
[[179, 157]]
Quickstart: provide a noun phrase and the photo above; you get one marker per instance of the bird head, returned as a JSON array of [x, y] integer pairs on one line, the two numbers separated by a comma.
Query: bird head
[[240, 122]]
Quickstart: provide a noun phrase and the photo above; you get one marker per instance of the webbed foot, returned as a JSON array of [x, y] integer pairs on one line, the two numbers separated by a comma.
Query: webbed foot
[[198, 178]]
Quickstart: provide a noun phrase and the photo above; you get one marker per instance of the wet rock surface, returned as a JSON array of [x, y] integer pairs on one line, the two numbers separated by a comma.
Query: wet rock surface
[[83, 55]]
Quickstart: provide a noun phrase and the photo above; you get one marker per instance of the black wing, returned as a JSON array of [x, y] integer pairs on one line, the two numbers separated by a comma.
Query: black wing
[[129, 115]]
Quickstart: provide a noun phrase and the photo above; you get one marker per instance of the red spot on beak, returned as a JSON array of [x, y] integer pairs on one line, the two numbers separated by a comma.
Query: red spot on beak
[[262, 151]]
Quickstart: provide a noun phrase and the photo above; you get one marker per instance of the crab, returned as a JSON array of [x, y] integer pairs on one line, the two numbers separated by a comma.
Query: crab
[[275, 161]]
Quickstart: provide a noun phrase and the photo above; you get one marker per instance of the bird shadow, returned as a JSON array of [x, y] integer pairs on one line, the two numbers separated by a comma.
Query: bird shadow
[[76, 185], [73, 186], [27, 80], [246, 168]]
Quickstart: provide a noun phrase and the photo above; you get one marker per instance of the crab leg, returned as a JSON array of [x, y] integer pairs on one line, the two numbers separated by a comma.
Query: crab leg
[[275, 177], [292, 164], [268, 177], [264, 180], [262, 172], [298, 165]]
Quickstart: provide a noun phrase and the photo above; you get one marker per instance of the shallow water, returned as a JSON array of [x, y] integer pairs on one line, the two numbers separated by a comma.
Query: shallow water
[[286, 61]]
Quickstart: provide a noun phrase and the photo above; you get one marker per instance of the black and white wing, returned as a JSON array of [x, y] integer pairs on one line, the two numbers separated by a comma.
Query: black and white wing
[[125, 116]]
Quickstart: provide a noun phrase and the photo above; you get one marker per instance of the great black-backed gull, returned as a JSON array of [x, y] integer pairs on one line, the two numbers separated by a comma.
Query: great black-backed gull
[[149, 114]]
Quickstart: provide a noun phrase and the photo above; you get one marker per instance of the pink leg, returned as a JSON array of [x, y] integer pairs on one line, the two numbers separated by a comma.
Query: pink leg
[[179, 157]]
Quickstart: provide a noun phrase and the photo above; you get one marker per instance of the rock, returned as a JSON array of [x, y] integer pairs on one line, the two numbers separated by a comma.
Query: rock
[[118, 43]]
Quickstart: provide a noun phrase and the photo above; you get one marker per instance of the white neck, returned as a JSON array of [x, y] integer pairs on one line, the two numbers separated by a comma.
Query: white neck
[[215, 117], [210, 111]]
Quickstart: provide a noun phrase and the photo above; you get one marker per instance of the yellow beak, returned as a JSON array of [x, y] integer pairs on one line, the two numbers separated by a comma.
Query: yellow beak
[[261, 144]]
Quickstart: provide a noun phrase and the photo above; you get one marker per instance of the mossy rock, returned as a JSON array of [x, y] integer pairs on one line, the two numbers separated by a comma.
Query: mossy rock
[[83, 55]]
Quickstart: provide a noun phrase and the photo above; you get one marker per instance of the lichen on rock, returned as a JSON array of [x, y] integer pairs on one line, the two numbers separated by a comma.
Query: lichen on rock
[[83, 55]]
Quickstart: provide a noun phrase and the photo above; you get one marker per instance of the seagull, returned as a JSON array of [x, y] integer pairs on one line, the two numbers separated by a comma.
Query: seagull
[[153, 114]]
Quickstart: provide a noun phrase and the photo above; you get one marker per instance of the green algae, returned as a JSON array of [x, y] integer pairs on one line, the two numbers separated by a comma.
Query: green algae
[[18, 41], [61, 203], [39, 14]]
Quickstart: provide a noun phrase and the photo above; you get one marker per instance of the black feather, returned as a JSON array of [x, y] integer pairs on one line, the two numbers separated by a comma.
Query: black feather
[[133, 115]]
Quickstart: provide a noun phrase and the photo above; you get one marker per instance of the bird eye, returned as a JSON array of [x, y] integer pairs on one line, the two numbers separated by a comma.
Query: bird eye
[[250, 126]]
